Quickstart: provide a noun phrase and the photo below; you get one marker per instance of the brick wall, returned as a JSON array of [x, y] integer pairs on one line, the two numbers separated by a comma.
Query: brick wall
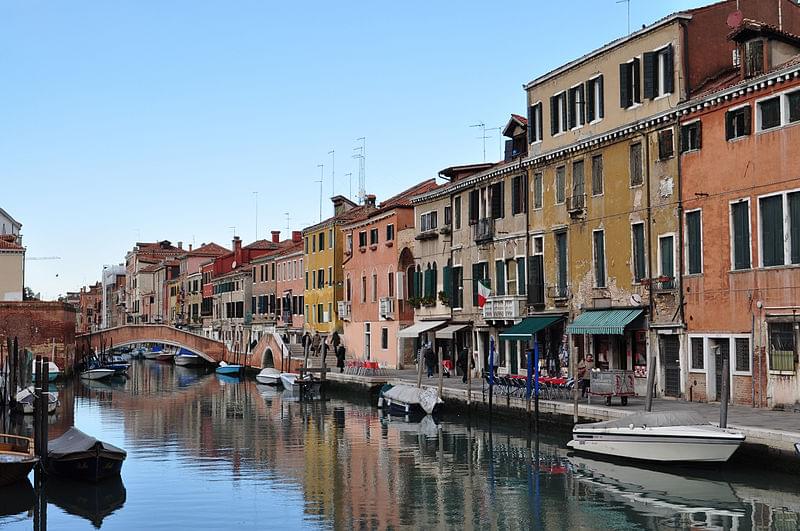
[[37, 325], [697, 382]]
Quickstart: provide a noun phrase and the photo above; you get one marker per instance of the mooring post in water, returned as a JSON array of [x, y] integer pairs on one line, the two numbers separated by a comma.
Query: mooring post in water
[[45, 402], [37, 407], [491, 372], [723, 399], [468, 355], [441, 371], [536, 383], [651, 376], [14, 370], [420, 360], [529, 384]]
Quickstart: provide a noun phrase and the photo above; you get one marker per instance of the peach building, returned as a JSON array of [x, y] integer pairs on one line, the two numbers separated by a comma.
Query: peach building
[[375, 307]]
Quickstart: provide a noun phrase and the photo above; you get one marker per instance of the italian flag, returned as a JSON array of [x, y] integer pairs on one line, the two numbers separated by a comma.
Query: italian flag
[[483, 293]]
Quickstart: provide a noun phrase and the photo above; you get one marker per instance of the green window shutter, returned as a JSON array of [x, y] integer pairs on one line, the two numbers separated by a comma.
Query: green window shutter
[[500, 275], [477, 275], [794, 226], [599, 260], [447, 282], [521, 278], [590, 100], [741, 237], [638, 252], [693, 230], [772, 230], [669, 69], [515, 195], [535, 280], [667, 257], [650, 74], [561, 250]]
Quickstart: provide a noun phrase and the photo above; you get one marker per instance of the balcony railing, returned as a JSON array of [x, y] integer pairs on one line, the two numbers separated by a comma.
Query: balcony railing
[[558, 292], [386, 308], [504, 307], [662, 284], [484, 230], [576, 203], [343, 308]]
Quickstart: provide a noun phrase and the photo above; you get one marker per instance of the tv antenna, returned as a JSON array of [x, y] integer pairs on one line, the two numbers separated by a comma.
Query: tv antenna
[[362, 169], [628, 5], [482, 137], [288, 227], [499, 139], [332, 153], [350, 178], [321, 177]]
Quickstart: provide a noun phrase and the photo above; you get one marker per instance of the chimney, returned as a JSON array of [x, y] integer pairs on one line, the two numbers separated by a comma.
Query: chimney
[[180, 245], [341, 204], [190, 247], [369, 200], [276, 236], [237, 250], [297, 236]]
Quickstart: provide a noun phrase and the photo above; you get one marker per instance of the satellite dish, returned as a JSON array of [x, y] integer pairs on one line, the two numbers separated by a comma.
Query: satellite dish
[[636, 299], [735, 19], [233, 265]]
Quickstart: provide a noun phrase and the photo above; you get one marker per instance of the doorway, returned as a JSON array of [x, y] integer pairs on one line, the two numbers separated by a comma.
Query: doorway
[[719, 355], [367, 339], [670, 360]]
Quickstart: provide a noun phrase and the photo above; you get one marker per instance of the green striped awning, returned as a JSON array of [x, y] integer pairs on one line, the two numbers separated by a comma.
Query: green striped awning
[[603, 321], [529, 326]]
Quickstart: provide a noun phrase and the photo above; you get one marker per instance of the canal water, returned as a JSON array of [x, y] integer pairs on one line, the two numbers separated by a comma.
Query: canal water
[[209, 452]]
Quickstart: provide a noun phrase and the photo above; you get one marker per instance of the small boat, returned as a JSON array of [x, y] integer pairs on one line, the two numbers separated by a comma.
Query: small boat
[[77, 455], [153, 353], [26, 398], [52, 371], [96, 373], [187, 358], [292, 381], [16, 458], [166, 356], [668, 436], [269, 376], [118, 365], [408, 400], [229, 370]]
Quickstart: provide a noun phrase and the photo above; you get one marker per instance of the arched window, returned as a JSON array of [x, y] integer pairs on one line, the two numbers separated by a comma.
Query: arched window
[[390, 283]]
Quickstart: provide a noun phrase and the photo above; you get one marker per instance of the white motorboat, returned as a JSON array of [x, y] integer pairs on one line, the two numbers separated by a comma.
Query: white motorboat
[[96, 374], [292, 381], [26, 397], [187, 358], [668, 436], [269, 376], [408, 400], [52, 371]]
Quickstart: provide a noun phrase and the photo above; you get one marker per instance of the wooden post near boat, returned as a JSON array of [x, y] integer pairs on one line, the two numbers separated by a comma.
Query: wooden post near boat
[[469, 379], [420, 361], [724, 392], [651, 376], [441, 372]]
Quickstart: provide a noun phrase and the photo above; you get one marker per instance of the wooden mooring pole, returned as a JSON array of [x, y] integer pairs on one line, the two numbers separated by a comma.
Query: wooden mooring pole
[[723, 399]]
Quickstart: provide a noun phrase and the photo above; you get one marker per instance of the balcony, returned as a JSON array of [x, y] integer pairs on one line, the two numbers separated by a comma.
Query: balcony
[[386, 308], [662, 284], [344, 310], [576, 204], [484, 230], [560, 294], [505, 308]]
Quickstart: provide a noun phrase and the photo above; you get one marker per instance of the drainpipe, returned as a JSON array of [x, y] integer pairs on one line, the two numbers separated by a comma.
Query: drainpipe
[[681, 242], [646, 156]]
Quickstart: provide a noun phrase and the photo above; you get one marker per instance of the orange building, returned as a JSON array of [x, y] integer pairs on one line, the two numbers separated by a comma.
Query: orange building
[[375, 306], [741, 225]]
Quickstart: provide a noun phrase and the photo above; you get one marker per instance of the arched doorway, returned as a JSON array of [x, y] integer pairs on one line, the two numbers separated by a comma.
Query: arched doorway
[[267, 359]]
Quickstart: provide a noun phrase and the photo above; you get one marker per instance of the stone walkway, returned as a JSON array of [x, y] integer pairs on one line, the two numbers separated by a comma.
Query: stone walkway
[[777, 429]]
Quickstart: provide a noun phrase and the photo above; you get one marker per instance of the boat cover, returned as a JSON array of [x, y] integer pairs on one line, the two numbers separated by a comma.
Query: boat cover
[[270, 372], [75, 441], [658, 419], [185, 352], [28, 395], [425, 398]]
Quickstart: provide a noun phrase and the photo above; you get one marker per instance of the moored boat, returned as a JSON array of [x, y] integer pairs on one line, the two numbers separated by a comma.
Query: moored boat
[[229, 370], [292, 381], [53, 371], [669, 436], [26, 398], [77, 455], [16, 458], [153, 353], [187, 358], [269, 376], [166, 356], [96, 373], [408, 400]]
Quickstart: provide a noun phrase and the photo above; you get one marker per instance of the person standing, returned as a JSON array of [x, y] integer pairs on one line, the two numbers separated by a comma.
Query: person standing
[[430, 358], [340, 353], [316, 341], [335, 341], [306, 341], [463, 361]]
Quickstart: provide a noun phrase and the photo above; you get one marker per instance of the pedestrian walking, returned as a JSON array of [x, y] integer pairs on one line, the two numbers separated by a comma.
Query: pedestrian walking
[[316, 341], [340, 353], [336, 340], [463, 361], [430, 358]]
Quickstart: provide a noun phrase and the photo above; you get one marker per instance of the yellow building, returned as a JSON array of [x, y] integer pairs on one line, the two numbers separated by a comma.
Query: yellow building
[[323, 252]]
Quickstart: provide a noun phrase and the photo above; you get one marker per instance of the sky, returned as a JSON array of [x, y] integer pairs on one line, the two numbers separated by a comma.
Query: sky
[[146, 120]]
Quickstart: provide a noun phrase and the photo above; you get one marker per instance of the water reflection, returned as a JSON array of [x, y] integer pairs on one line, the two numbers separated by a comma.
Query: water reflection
[[197, 442]]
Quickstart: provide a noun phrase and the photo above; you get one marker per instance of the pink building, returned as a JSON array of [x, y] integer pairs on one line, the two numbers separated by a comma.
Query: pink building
[[374, 307], [289, 286]]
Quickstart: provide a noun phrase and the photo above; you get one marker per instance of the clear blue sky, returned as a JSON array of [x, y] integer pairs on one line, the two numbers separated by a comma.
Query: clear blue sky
[[152, 120]]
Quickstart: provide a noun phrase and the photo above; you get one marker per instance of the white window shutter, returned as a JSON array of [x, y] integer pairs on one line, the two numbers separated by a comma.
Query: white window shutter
[[401, 285]]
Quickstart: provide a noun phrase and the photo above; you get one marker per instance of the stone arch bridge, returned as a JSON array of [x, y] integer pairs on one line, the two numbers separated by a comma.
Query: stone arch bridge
[[212, 350]]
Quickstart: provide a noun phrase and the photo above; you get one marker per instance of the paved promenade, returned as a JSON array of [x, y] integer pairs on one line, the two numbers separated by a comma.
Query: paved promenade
[[777, 429]]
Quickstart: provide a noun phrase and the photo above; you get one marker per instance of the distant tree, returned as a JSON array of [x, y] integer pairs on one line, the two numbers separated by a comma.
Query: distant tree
[[29, 295]]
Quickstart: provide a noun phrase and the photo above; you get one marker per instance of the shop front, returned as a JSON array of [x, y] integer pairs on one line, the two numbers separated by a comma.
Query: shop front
[[516, 341]]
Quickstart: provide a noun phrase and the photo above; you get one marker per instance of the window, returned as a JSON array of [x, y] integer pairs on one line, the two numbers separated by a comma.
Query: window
[[306, 245], [306, 281], [363, 288], [597, 175], [428, 221], [390, 282], [659, 73], [691, 136], [330, 239], [384, 338], [754, 58], [742, 354], [737, 123], [577, 178], [577, 107], [561, 262], [448, 215], [390, 232], [474, 200], [666, 147], [320, 313], [666, 252], [362, 238], [639, 264], [698, 358], [313, 278], [769, 113], [457, 211], [558, 113], [500, 277], [793, 104], [537, 190], [348, 243], [535, 273], [373, 236], [740, 234], [480, 273], [458, 287], [321, 241], [594, 99], [535, 123], [330, 275], [522, 280], [313, 244], [498, 200], [781, 347], [348, 289], [321, 278], [519, 192], [694, 243], [374, 286], [776, 247], [629, 84], [636, 164], [561, 184], [598, 238]]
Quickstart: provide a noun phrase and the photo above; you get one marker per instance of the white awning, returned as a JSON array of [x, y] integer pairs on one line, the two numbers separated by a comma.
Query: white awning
[[419, 327], [449, 331]]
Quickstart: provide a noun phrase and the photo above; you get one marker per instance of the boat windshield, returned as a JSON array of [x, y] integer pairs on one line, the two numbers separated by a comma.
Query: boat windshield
[[654, 420]]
